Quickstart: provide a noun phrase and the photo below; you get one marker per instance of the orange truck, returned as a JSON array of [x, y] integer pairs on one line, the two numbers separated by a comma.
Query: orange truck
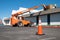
[[20, 21]]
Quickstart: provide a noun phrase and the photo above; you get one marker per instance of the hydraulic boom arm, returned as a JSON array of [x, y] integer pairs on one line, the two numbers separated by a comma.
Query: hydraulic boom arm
[[21, 12]]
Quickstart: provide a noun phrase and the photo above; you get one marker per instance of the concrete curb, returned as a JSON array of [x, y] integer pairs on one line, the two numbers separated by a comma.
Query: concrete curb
[[49, 26]]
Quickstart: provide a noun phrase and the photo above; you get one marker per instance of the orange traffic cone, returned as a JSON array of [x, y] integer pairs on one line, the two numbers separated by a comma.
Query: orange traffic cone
[[40, 32]]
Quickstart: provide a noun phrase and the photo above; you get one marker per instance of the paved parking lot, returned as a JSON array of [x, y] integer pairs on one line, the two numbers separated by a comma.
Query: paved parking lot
[[28, 33]]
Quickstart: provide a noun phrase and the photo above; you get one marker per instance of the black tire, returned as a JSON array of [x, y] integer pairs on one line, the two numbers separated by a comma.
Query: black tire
[[29, 25], [19, 24], [14, 25]]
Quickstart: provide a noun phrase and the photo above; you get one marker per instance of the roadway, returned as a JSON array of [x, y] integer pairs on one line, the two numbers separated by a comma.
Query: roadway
[[28, 33]]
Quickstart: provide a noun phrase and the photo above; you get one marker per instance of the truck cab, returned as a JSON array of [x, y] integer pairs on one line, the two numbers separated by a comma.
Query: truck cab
[[23, 21]]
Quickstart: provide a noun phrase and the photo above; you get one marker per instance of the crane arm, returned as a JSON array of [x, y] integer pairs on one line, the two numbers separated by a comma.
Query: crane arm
[[35, 7], [21, 12]]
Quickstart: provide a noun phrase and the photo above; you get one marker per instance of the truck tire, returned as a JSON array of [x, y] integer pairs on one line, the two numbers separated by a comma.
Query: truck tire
[[14, 25], [19, 24], [29, 25]]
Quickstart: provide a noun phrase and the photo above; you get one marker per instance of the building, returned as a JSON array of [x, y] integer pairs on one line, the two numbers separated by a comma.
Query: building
[[48, 17]]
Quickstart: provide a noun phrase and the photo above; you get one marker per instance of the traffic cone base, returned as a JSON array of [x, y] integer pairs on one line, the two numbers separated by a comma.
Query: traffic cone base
[[39, 34]]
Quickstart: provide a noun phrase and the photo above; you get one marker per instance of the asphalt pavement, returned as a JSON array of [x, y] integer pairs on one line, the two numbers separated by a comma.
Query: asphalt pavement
[[28, 33]]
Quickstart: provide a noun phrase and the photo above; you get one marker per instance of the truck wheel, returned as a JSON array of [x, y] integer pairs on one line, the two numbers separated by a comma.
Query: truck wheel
[[19, 24], [14, 25], [29, 25]]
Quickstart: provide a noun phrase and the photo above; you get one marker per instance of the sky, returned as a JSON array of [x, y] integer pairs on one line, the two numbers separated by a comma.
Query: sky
[[6, 6]]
